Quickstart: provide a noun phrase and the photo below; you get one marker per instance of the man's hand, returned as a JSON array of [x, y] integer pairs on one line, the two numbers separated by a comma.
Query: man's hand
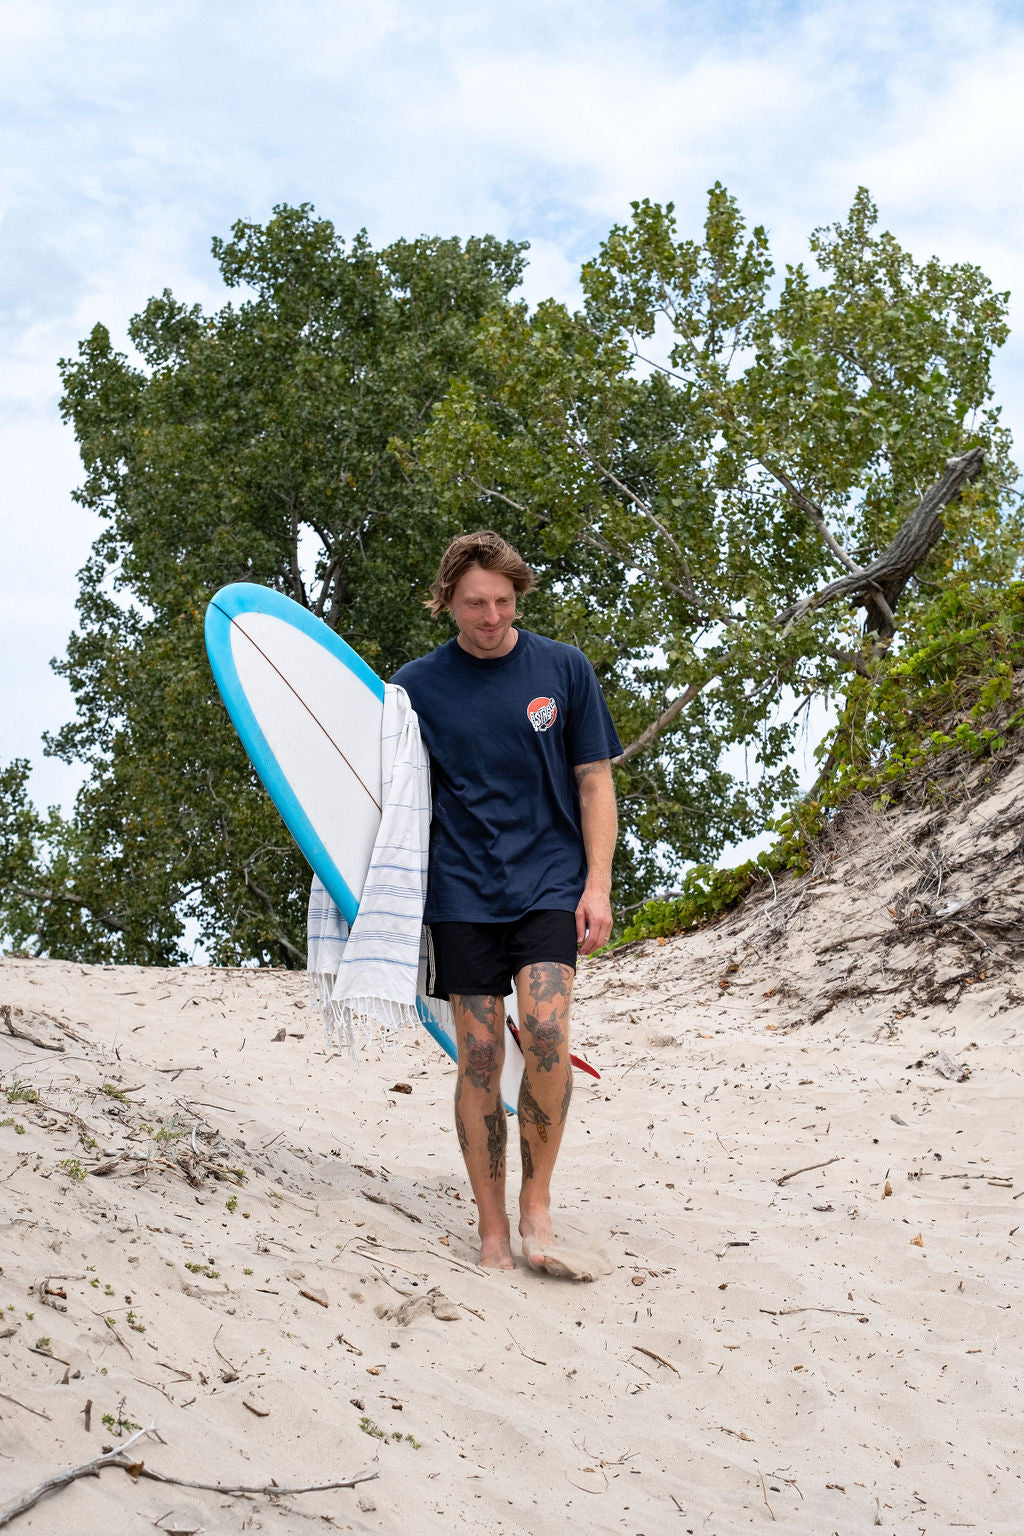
[[593, 920]]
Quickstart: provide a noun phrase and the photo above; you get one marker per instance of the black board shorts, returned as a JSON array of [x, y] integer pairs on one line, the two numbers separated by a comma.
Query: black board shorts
[[481, 959]]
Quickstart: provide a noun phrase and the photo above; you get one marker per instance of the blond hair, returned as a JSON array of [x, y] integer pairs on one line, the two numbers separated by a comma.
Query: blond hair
[[486, 549]]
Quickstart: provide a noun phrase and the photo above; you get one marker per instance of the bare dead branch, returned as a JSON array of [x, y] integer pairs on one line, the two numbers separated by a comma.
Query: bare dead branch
[[880, 584], [90, 1468], [117, 1457], [26, 1034], [785, 1177], [269, 1490], [37, 1411]]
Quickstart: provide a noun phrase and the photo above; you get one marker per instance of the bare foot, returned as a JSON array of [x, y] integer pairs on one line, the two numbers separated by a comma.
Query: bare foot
[[496, 1252], [545, 1254]]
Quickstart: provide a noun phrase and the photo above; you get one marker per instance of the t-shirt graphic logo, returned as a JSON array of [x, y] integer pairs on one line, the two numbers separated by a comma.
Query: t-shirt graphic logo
[[542, 713]]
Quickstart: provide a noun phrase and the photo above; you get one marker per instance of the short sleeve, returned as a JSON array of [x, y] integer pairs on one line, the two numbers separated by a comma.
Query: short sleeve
[[590, 736]]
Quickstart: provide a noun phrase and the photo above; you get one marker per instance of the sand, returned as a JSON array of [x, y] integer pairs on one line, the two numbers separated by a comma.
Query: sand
[[277, 1268]]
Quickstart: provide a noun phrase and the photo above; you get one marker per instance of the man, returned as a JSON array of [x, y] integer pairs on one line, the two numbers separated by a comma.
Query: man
[[521, 843]]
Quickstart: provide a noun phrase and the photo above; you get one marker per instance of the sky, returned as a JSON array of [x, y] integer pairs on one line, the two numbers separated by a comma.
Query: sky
[[130, 135]]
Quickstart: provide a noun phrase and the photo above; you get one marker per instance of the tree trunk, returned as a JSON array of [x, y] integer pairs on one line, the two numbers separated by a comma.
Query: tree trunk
[[880, 584]]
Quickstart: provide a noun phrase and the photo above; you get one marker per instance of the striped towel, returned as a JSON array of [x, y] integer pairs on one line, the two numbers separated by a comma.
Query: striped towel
[[366, 979]]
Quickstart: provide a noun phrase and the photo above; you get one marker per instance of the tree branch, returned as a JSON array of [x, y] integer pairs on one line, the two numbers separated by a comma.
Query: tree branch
[[105, 919], [666, 717], [642, 506], [89, 1468], [878, 585], [881, 583], [490, 491], [806, 503], [813, 511], [298, 590], [597, 541], [280, 937], [326, 585]]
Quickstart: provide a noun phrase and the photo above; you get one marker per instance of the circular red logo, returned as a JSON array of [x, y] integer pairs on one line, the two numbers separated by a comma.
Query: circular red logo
[[542, 713]]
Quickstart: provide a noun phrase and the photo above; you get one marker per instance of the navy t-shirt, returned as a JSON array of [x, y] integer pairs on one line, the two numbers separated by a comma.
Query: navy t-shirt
[[504, 736]]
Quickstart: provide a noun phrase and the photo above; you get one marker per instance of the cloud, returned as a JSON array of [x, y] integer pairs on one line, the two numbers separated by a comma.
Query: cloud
[[130, 134]]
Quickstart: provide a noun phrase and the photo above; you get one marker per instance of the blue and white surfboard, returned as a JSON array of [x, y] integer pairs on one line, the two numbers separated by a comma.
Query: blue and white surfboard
[[308, 711]]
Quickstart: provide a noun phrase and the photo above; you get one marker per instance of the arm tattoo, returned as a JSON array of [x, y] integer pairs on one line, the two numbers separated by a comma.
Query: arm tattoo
[[584, 770], [497, 1135], [545, 1038], [530, 1112]]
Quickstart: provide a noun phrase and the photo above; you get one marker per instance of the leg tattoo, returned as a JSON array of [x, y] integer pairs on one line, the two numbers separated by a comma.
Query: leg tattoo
[[487, 1011], [530, 1112], [565, 1100], [527, 1156], [481, 1059], [545, 1038], [548, 982], [460, 1124], [497, 1135]]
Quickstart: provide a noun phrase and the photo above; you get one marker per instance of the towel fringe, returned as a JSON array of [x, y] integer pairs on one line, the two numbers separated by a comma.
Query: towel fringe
[[358, 1023]]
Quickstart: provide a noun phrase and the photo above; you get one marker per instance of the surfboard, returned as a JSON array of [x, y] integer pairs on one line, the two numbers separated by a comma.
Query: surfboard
[[308, 710]]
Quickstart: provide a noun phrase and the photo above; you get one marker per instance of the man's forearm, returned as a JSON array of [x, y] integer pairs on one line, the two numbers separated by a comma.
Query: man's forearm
[[599, 824]]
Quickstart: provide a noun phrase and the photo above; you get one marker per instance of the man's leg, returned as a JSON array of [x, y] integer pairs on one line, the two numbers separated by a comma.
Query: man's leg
[[480, 1119], [544, 990]]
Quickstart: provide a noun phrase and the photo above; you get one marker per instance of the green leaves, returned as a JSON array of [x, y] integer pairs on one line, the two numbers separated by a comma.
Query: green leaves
[[700, 463], [703, 449], [250, 444]]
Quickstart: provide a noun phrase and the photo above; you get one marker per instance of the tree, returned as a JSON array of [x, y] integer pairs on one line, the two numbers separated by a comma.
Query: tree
[[741, 492], [722, 469], [250, 444]]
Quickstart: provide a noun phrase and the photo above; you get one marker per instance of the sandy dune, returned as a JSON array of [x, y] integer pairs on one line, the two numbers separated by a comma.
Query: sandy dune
[[268, 1253]]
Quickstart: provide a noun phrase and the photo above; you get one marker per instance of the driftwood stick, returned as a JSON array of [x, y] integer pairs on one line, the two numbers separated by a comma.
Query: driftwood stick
[[25, 1034], [111, 1458], [535, 1358], [764, 1493], [37, 1411], [268, 1489], [854, 938], [784, 1178], [791, 1311], [229, 1363], [111, 1325], [652, 1356], [116, 1457], [1000, 1178]]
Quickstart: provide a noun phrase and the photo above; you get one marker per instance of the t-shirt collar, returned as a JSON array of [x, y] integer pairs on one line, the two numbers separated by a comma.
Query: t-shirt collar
[[489, 663]]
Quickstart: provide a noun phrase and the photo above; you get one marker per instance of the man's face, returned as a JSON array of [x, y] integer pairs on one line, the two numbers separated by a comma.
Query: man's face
[[483, 605]]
